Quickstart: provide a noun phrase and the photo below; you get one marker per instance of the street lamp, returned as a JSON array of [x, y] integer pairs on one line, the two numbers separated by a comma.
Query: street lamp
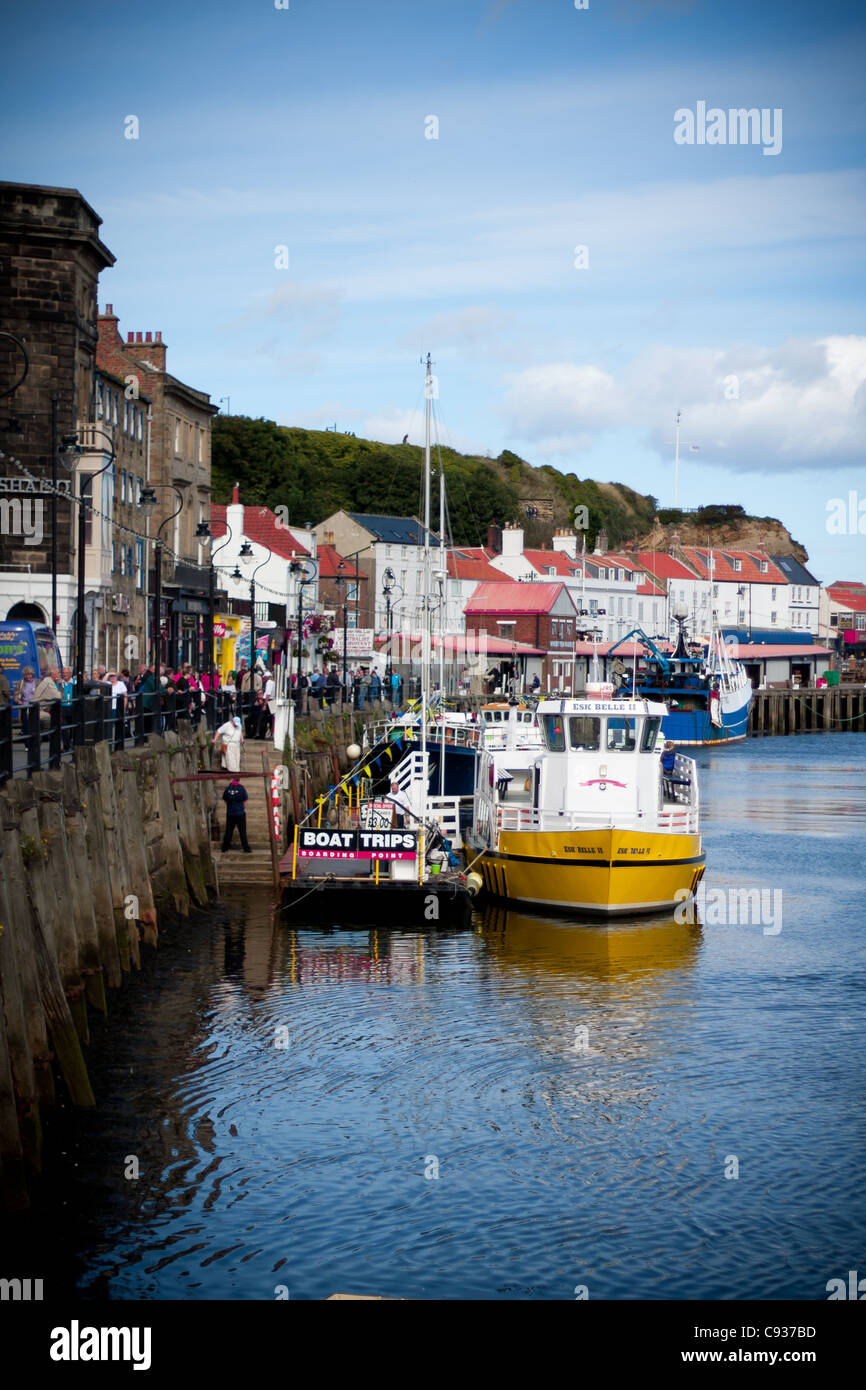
[[71, 451], [148, 506], [388, 587], [341, 582], [246, 555], [297, 568]]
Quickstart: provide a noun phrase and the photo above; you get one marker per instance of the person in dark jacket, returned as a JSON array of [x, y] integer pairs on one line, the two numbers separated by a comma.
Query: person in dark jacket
[[235, 798], [669, 755]]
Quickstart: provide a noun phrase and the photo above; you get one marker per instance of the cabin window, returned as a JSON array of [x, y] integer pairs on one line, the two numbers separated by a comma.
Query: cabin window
[[620, 735], [650, 732], [553, 729], [584, 734]]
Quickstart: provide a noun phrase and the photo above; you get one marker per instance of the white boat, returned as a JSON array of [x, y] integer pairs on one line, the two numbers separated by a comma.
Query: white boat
[[591, 823]]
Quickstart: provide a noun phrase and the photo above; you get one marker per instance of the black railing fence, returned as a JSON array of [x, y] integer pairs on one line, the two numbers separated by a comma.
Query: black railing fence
[[37, 736]]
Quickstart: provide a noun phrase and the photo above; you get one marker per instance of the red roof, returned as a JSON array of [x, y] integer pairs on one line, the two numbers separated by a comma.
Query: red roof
[[329, 561], [855, 585], [723, 570], [557, 560], [753, 651], [261, 526], [649, 586], [513, 597], [471, 562], [664, 566], [846, 598]]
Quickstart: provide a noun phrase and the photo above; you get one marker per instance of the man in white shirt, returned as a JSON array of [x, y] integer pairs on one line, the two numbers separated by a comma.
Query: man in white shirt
[[402, 807]]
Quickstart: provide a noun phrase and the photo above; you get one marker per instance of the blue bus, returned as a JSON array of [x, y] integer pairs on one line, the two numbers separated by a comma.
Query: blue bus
[[27, 644]]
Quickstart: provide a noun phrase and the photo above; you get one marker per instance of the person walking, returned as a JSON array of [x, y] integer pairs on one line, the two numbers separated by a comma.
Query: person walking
[[375, 686], [235, 797], [395, 689], [231, 740]]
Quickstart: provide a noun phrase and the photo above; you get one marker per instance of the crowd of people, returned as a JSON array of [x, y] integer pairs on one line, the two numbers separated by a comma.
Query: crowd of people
[[247, 693]]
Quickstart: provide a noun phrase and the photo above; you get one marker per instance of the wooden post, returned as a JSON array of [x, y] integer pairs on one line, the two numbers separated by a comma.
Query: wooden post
[[48, 872], [81, 889], [169, 881], [13, 1021], [125, 771], [12, 1176], [87, 776], [20, 934], [118, 871]]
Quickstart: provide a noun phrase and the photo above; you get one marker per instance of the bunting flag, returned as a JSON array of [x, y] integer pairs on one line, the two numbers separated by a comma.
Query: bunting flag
[[368, 772], [355, 779], [390, 752]]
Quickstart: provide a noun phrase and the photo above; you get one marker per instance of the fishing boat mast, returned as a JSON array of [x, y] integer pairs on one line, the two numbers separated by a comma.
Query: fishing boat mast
[[425, 635], [443, 598]]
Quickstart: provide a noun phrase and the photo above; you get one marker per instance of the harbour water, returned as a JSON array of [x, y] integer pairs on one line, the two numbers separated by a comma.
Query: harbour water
[[531, 1108]]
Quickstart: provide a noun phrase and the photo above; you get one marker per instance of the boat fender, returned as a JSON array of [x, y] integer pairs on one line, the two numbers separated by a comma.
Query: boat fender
[[474, 883]]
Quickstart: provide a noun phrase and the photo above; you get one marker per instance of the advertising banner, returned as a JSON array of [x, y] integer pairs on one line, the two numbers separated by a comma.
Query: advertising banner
[[357, 844]]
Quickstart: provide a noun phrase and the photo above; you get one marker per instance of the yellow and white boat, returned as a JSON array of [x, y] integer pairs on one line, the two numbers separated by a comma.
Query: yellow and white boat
[[590, 823]]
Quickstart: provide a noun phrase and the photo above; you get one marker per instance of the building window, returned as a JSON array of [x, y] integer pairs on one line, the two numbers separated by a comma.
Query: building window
[[772, 595], [765, 568], [736, 566], [139, 563], [123, 484], [99, 406], [773, 618], [201, 446], [640, 612], [138, 487], [715, 591], [114, 557], [140, 425], [177, 436], [129, 560]]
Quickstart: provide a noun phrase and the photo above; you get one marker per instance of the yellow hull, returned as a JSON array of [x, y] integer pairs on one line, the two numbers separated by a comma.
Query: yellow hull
[[596, 871]]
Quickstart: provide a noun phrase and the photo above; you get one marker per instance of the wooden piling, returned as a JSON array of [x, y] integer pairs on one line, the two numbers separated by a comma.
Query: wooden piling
[[99, 879]]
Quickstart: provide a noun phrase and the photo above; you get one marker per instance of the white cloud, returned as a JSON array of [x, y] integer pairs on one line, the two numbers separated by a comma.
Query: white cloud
[[797, 406]]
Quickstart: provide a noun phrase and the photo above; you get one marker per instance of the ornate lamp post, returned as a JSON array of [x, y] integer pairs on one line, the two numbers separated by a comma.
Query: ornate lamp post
[[246, 556], [297, 568], [148, 506], [71, 450], [342, 583], [388, 587]]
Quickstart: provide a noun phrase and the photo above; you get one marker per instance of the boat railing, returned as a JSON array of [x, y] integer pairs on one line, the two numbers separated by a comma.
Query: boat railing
[[680, 819]]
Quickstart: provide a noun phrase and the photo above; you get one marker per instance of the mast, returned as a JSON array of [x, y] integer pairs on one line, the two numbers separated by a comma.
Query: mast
[[425, 635], [443, 554]]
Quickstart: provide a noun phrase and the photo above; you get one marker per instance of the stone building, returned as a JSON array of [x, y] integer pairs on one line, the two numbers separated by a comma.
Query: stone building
[[51, 255], [178, 467]]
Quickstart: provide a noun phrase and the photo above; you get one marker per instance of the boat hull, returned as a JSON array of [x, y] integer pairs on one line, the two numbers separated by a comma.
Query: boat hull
[[598, 872], [398, 906]]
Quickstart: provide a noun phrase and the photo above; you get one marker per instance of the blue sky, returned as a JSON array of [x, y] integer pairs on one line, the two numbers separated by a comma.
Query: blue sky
[[716, 279]]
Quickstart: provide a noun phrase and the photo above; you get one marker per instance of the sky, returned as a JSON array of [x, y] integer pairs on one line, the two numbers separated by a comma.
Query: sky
[[553, 201]]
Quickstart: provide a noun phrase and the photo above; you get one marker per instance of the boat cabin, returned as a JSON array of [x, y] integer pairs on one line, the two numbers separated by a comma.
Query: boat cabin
[[599, 763]]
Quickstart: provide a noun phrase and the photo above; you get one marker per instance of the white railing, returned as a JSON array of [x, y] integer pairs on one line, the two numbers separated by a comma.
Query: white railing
[[682, 819], [445, 810]]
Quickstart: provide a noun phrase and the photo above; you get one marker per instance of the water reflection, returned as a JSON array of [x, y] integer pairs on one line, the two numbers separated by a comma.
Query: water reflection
[[631, 948]]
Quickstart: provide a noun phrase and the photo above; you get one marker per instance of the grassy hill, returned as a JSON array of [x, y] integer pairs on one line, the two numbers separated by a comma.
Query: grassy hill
[[316, 472]]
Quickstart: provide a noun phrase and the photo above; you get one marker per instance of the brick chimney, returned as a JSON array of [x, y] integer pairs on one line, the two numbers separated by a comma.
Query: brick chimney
[[494, 537]]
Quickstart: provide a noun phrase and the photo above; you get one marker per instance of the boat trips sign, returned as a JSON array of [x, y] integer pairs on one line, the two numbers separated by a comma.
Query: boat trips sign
[[358, 844]]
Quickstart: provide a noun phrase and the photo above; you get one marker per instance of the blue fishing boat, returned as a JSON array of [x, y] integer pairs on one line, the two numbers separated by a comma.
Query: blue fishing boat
[[708, 695]]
